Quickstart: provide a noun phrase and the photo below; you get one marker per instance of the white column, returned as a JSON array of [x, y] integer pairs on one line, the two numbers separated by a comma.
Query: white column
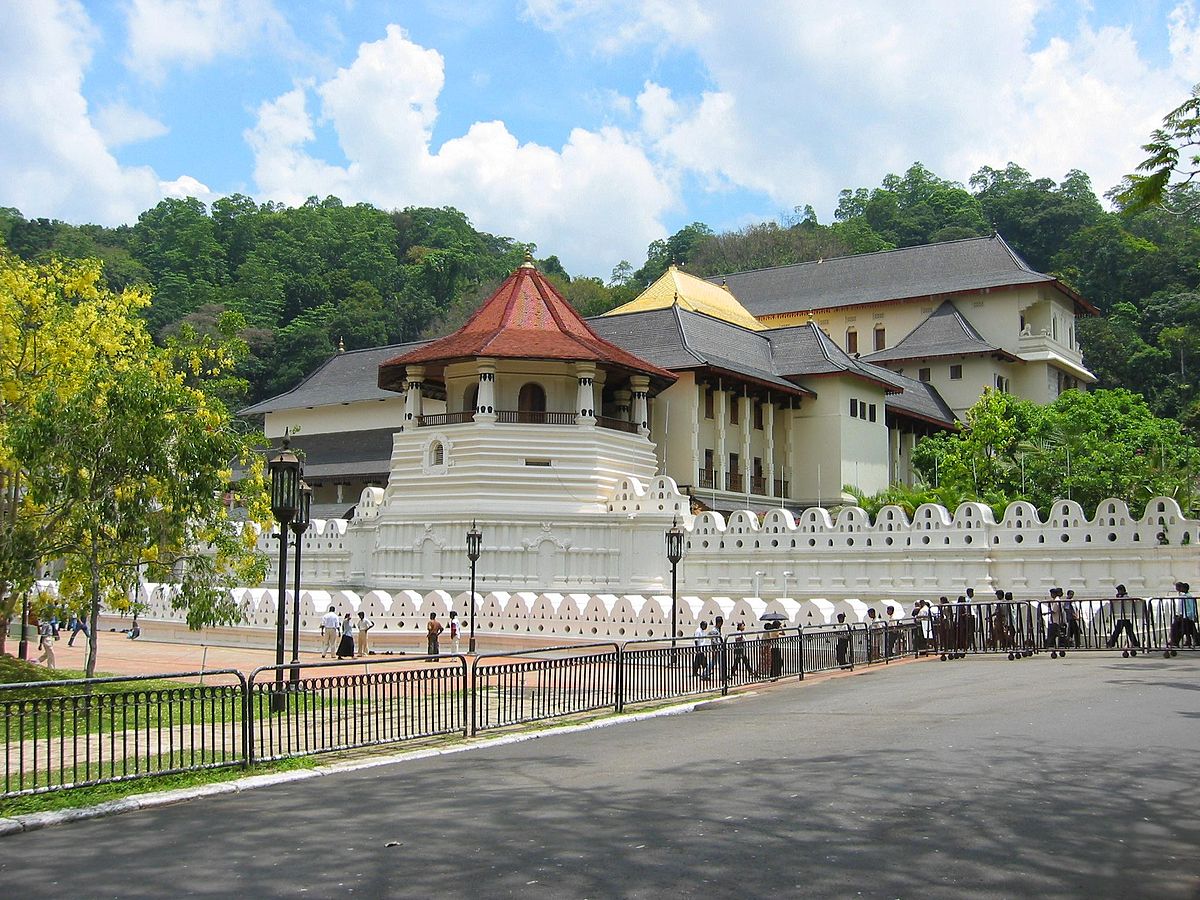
[[585, 407], [485, 402], [641, 414], [414, 378], [746, 411], [624, 408], [769, 429], [720, 417]]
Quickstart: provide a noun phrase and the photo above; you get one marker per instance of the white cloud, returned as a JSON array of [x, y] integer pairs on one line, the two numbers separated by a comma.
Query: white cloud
[[54, 160], [120, 124], [188, 33], [594, 200], [797, 106]]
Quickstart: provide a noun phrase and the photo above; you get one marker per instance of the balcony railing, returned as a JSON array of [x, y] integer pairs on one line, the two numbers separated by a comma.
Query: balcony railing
[[782, 488], [454, 418], [733, 481], [705, 478], [530, 417], [758, 485], [616, 424]]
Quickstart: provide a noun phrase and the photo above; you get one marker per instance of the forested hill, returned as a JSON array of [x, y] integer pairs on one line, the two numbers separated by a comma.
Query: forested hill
[[304, 278]]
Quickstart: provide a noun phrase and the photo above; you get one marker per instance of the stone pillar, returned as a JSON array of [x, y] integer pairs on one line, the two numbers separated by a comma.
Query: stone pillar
[[641, 412], [414, 378], [485, 402], [769, 431], [720, 418], [585, 407], [745, 417], [623, 405]]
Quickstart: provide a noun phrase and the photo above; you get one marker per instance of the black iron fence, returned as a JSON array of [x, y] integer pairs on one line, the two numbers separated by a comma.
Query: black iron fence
[[547, 683], [345, 704], [64, 734]]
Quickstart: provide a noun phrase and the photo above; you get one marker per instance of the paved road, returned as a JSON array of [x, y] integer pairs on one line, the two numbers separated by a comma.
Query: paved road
[[979, 778]]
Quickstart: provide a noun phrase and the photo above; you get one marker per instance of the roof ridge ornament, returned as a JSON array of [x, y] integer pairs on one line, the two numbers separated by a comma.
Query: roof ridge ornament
[[528, 262]]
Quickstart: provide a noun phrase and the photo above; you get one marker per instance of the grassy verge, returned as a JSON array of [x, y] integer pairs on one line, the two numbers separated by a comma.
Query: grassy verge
[[103, 793]]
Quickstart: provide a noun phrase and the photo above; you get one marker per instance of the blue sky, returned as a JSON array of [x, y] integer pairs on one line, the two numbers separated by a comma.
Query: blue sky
[[590, 127]]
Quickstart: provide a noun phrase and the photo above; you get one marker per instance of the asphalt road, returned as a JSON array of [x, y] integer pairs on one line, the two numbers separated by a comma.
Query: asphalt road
[[978, 778]]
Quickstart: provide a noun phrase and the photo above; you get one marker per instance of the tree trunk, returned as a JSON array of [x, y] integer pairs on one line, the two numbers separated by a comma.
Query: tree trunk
[[93, 618]]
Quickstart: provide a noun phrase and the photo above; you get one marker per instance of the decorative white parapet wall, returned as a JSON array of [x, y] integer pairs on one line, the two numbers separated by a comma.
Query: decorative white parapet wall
[[812, 567], [938, 553]]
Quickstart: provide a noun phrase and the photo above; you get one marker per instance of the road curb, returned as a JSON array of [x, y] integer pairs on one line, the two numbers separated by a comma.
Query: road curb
[[35, 821]]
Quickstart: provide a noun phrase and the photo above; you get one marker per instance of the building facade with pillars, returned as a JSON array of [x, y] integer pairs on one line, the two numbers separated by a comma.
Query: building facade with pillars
[[790, 383]]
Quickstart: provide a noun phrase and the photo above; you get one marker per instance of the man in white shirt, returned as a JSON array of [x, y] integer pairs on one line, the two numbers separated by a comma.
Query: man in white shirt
[[364, 625], [331, 631], [700, 659]]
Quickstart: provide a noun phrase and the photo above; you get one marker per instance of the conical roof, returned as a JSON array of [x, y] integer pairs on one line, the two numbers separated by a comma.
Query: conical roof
[[676, 287], [526, 318]]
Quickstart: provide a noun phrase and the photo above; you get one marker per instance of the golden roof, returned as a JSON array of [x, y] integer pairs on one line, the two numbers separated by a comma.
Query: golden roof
[[691, 293]]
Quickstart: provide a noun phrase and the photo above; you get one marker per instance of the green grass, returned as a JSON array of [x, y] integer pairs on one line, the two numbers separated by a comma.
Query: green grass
[[102, 793]]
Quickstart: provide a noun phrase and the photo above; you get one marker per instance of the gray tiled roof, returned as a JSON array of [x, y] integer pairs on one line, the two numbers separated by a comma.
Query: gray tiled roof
[[343, 378], [944, 332], [917, 398], [358, 453], [806, 350], [944, 268]]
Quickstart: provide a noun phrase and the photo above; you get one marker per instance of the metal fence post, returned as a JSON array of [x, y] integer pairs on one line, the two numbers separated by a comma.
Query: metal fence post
[[800, 655], [620, 677], [467, 696]]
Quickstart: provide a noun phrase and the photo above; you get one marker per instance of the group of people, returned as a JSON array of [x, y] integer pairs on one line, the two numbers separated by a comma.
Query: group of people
[[48, 630], [346, 637], [710, 648]]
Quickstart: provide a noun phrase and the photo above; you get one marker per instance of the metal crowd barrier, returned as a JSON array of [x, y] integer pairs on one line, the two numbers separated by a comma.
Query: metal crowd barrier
[[543, 684], [953, 630], [79, 732], [1132, 625], [384, 701]]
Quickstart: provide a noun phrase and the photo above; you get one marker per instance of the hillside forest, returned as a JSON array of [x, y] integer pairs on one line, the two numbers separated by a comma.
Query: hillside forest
[[293, 283]]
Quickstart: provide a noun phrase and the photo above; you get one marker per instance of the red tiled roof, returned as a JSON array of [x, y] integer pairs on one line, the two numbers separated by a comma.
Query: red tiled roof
[[526, 318]]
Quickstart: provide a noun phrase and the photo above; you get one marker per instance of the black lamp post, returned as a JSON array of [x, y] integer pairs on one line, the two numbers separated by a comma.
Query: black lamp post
[[285, 499], [299, 526], [474, 545], [674, 555], [23, 647]]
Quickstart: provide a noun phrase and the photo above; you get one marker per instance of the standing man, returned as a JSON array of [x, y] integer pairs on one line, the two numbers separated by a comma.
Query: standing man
[[699, 660], [1124, 607], [715, 648], [455, 631], [330, 632], [843, 641], [364, 625], [432, 630], [46, 643]]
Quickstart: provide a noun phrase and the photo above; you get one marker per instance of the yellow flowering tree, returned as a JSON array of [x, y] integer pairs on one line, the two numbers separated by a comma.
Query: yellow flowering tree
[[124, 459]]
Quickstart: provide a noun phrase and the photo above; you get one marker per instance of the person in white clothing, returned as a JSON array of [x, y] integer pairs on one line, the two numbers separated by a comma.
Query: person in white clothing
[[364, 625], [455, 631], [330, 631]]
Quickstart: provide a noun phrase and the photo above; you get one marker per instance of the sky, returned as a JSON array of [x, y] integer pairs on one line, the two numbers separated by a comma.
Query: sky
[[588, 127]]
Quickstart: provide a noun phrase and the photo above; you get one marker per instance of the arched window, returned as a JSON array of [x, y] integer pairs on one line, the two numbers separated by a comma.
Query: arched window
[[851, 340], [437, 454], [531, 403], [471, 399]]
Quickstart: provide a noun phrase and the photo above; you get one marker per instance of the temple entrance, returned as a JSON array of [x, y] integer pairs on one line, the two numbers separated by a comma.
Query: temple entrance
[[531, 403]]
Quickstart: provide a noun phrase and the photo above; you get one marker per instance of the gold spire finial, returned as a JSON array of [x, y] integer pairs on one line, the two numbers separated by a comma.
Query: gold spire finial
[[810, 315], [341, 345], [528, 263]]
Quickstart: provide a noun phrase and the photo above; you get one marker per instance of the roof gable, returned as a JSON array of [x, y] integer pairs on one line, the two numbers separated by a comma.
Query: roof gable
[[944, 332], [525, 318]]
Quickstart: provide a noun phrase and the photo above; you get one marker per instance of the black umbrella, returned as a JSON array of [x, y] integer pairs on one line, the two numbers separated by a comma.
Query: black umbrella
[[772, 617]]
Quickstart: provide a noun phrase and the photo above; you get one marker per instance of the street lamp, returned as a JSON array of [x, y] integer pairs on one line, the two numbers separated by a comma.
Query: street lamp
[[474, 544], [786, 576], [285, 499], [674, 555], [757, 575], [299, 526]]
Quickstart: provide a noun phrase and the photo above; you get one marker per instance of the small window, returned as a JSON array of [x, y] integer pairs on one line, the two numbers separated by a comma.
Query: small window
[[708, 461], [853, 408], [733, 409], [956, 373], [437, 454], [851, 340], [922, 374], [871, 413], [880, 337], [708, 403], [733, 464], [758, 416]]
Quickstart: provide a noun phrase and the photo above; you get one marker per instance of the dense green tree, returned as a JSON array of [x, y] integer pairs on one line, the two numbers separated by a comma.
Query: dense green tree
[[677, 250], [1174, 155]]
